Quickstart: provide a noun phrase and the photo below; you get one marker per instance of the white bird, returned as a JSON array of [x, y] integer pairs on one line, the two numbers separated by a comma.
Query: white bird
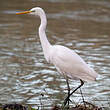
[[66, 61]]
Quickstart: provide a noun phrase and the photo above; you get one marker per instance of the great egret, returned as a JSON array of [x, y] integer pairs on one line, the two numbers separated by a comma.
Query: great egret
[[66, 61]]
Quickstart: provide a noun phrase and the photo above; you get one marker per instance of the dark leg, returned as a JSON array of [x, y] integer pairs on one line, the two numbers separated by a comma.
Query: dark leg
[[82, 97], [69, 94], [68, 89]]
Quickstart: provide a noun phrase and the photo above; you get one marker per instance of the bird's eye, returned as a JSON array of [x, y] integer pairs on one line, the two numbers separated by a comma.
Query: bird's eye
[[33, 11]]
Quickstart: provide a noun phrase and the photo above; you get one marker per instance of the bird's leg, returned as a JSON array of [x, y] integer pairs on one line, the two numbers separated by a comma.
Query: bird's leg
[[68, 90], [67, 98], [82, 83], [82, 98]]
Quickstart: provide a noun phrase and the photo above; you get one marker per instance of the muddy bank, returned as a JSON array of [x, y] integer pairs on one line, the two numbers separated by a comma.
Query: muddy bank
[[86, 106]]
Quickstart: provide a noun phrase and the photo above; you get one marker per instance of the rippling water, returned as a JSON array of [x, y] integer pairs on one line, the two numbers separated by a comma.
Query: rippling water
[[26, 77]]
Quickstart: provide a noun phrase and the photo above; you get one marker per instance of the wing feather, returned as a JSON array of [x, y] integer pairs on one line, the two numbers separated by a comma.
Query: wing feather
[[71, 64]]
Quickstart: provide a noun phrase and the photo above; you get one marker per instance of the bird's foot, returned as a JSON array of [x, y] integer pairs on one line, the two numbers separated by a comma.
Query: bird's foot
[[67, 100]]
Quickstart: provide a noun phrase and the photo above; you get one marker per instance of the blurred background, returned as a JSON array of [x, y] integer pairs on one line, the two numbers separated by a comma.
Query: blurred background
[[26, 77]]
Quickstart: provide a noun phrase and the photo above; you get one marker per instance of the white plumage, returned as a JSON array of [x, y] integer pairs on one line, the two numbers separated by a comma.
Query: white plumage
[[71, 64], [66, 61]]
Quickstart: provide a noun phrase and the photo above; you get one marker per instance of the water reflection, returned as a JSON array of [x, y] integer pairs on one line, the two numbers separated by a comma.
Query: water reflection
[[24, 74]]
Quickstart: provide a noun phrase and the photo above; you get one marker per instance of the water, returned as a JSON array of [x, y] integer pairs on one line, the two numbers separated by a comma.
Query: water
[[26, 77]]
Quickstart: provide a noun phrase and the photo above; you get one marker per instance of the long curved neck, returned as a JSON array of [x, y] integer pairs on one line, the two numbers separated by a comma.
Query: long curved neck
[[43, 38]]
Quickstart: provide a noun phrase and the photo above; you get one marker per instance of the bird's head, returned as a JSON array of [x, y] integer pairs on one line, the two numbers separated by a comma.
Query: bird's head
[[34, 11]]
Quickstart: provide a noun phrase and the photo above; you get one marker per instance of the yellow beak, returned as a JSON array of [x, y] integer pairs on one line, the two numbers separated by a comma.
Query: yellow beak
[[25, 12]]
